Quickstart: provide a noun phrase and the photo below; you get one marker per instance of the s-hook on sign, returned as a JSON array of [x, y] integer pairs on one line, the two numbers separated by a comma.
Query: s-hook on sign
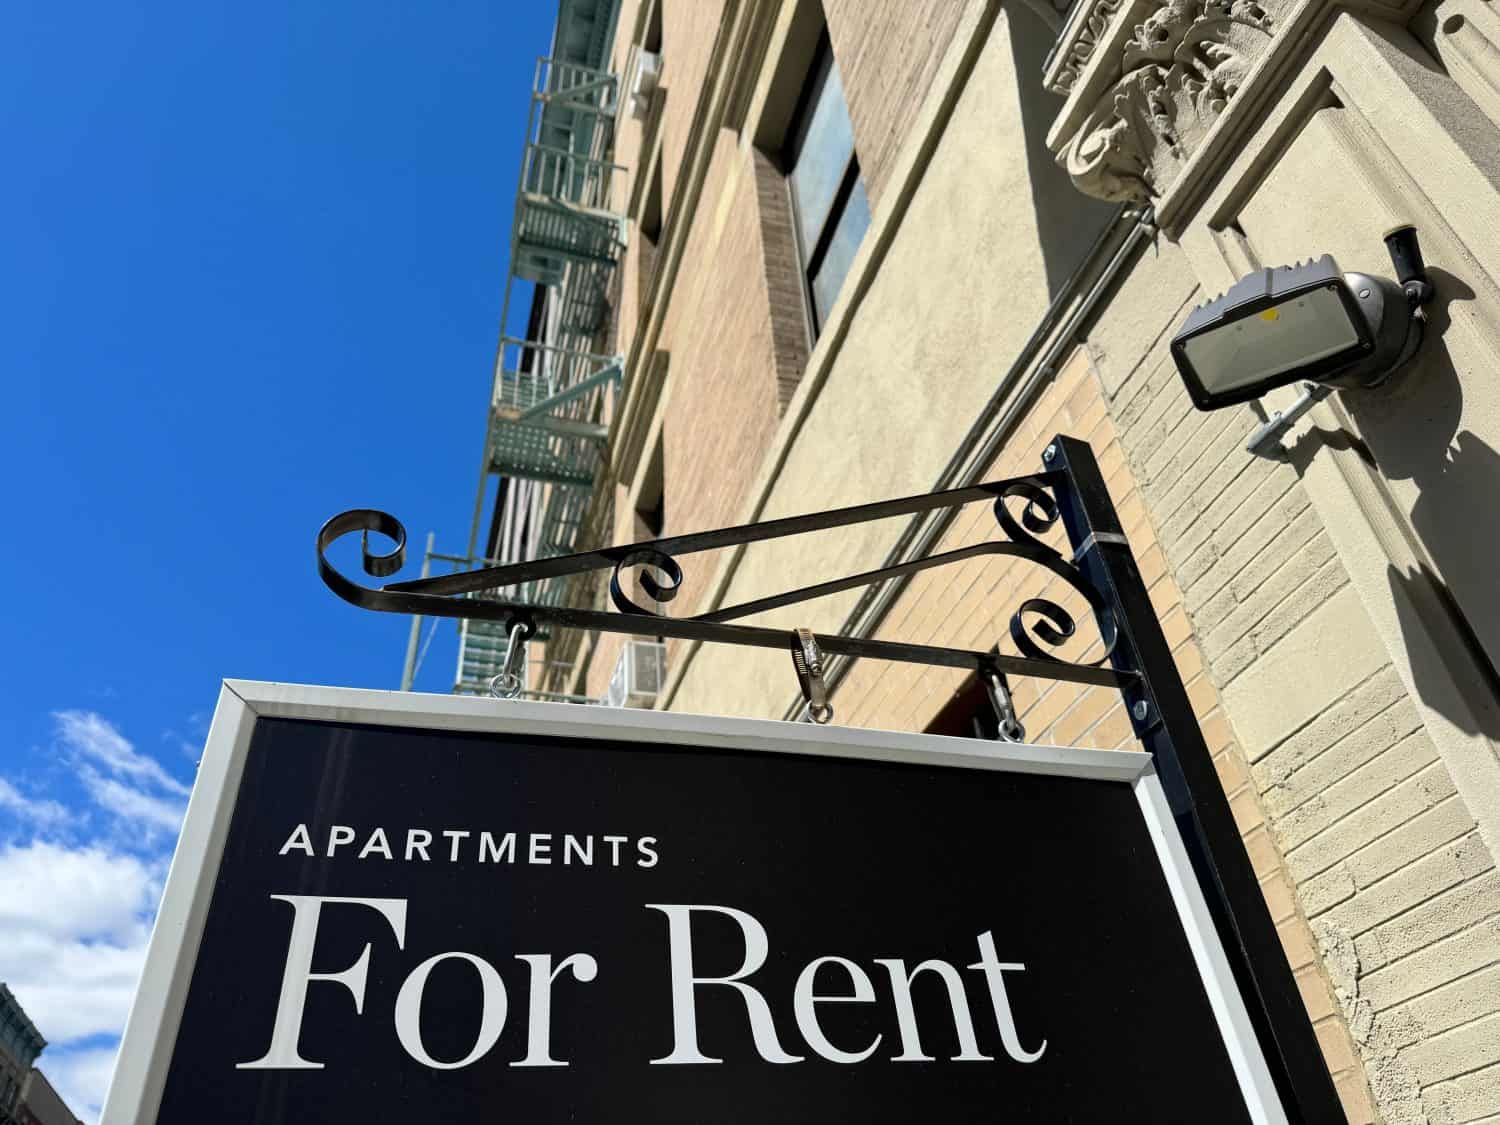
[[395, 906]]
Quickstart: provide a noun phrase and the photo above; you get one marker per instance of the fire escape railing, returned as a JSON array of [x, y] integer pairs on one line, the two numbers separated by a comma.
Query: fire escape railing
[[547, 419]]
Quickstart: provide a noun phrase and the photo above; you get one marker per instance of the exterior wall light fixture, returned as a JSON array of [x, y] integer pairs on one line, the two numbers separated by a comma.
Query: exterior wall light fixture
[[1308, 321]]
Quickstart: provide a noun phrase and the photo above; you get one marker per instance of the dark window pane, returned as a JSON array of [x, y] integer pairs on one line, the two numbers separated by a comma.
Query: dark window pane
[[823, 153], [853, 221]]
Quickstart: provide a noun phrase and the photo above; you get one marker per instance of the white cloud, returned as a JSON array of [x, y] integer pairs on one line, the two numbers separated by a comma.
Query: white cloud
[[77, 900], [81, 1075], [44, 814], [132, 804], [89, 989], [81, 893], [133, 787], [96, 737], [76, 922]]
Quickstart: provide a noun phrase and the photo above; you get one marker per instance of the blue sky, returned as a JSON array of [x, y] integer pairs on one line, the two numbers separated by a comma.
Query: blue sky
[[253, 264]]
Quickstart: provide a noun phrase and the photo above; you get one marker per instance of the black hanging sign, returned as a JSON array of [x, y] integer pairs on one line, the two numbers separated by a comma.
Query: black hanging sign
[[402, 907]]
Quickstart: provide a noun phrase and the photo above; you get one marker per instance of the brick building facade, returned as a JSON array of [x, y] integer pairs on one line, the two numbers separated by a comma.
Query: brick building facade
[[1034, 240]]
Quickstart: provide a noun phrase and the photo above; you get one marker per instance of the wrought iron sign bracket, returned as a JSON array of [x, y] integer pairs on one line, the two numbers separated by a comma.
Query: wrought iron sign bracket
[[1136, 660], [1024, 509]]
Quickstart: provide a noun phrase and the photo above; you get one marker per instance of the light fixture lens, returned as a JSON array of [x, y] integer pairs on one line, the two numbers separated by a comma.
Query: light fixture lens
[[1297, 332]]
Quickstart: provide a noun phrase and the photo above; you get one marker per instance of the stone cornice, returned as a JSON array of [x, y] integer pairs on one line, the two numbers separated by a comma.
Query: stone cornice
[[1103, 45], [1157, 89], [1090, 30]]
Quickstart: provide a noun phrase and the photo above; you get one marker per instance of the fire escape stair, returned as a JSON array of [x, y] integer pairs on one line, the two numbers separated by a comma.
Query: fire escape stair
[[547, 423]]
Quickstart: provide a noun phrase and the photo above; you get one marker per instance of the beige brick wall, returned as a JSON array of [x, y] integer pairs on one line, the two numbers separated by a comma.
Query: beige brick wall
[[1385, 860], [785, 289], [628, 139], [722, 412], [1387, 901], [688, 31], [724, 398], [731, 370]]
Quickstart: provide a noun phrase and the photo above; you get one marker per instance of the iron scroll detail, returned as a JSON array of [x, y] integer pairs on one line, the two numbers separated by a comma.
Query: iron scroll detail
[[1038, 624], [364, 521], [1053, 624], [648, 558]]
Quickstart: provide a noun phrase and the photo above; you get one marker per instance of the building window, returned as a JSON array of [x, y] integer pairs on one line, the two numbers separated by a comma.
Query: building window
[[830, 209], [651, 40], [650, 500], [650, 241]]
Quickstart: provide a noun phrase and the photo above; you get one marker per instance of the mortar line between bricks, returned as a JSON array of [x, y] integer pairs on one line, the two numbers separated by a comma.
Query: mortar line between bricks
[[1397, 828], [1167, 403], [1215, 425], [1271, 509], [1436, 760], [1196, 535], [1293, 556], [1414, 997], [1486, 1065], [1188, 494], [1156, 407], [1344, 777], [1400, 738], [1191, 470], [1175, 319], [1197, 421], [1146, 352], [1488, 920]]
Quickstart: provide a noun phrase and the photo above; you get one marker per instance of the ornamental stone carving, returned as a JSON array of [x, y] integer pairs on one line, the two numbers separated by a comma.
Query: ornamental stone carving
[[1178, 70], [1076, 55]]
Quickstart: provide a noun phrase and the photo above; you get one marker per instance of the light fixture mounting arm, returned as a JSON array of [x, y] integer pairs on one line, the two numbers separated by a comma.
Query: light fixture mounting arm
[[1411, 271]]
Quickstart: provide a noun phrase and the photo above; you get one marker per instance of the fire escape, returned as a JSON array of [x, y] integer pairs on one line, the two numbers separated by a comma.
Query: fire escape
[[547, 421]]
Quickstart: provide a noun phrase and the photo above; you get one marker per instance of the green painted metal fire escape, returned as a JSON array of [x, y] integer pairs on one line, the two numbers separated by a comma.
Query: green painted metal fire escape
[[547, 425]]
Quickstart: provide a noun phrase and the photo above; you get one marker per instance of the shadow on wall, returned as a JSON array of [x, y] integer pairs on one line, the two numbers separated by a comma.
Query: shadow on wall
[[1412, 431], [1068, 222]]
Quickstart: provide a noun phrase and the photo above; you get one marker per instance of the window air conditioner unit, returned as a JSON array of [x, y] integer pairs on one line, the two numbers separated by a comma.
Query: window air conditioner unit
[[639, 675], [643, 79]]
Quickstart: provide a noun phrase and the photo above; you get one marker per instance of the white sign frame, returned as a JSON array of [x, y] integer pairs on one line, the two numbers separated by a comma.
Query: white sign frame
[[150, 1036]]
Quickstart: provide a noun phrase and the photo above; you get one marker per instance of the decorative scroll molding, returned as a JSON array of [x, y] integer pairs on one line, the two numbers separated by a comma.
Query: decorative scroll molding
[[1085, 39], [1179, 68]]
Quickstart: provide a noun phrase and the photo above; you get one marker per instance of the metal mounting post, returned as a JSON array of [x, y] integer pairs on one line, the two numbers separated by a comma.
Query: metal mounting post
[[1164, 721], [1266, 440]]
